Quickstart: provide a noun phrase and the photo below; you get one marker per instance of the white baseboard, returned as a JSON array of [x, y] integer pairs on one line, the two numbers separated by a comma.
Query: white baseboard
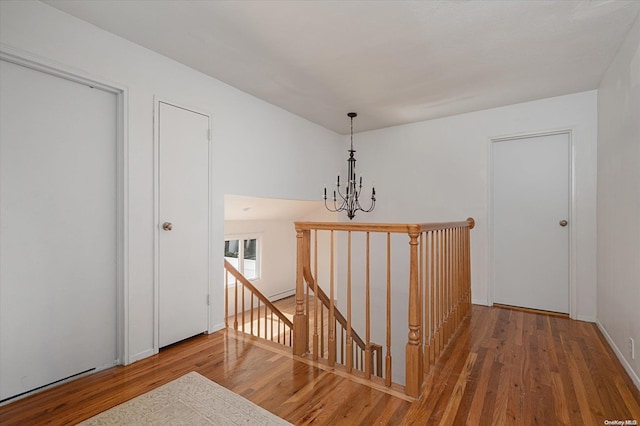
[[141, 355], [480, 302], [282, 295], [618, 352], [586, 318], [216, 327]]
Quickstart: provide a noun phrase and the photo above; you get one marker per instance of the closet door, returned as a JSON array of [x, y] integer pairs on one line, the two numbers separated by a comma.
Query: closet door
[[57, 229], [183, 212]]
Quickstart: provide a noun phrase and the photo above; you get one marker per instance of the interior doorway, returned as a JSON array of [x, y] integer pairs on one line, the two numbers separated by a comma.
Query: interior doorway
[[61, 217], [531, 221]]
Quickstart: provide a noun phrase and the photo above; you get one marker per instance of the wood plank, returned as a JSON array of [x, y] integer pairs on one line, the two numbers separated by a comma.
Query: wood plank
[[574, 378]]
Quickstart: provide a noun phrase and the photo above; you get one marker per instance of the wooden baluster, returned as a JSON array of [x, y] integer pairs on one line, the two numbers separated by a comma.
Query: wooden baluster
[[449, 284], [251, 312], [300, 324], [421, 298], [367, 356], [458, 281], [315, 295], [226, 298], [446, 289], [453, 281], [258, 328], [468, 260], [465, 259], [307, 305], [427, 307], [349, 349], [414, 372], [432, 300], [235, 301], [242, 290], [321, 330], [445, 294], [388, 356], [342, 345], [455, 278], [332, 317], [439, 298], [460, 275], [265, 322]]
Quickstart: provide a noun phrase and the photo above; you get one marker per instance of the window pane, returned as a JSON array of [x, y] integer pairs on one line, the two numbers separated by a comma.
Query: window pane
[[231, 248], [250, 258], [231, 252], [250, 248]]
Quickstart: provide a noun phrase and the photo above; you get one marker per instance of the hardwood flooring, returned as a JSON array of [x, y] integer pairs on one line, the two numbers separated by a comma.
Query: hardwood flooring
[[504, 367]]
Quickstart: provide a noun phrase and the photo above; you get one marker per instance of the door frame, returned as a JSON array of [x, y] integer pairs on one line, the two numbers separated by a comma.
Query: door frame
[[48, 66], [157, 100], [572, 212]]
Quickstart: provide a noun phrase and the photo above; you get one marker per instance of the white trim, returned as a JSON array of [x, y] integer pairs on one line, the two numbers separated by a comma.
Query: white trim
[[157, 100], [632, 374], [282, 295], [217, 327], [142, 355], [481, 302], [586, 318], [42, 64], [572, 213]]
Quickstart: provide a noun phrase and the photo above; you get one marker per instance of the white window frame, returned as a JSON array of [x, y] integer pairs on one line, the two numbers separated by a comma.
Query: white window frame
[[242, 238]]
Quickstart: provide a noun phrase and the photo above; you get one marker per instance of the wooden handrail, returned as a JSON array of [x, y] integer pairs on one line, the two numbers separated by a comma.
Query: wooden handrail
[[238, 276], [394, 228]]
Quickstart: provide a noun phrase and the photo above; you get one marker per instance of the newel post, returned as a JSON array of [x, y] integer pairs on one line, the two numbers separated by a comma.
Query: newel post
[[414, 365], [300, 327]]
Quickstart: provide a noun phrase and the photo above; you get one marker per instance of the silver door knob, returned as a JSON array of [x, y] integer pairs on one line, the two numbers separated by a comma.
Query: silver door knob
[[563, 222], [167, 226]]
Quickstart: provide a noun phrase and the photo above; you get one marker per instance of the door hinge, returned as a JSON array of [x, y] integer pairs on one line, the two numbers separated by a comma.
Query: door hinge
[[208, 300]]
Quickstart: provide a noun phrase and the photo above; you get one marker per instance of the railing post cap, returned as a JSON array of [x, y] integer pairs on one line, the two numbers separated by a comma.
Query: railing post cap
[[472, 222]]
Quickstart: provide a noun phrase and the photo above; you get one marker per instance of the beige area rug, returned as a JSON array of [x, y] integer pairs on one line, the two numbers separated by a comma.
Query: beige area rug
[[190, 400]]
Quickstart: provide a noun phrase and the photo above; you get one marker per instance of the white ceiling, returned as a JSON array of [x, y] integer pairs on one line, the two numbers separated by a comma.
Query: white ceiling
[[393, 62], [237, 207]]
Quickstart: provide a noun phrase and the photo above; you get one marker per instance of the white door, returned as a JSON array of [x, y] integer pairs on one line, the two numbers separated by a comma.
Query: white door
[[530, 235], [183, 213], [57, 229]]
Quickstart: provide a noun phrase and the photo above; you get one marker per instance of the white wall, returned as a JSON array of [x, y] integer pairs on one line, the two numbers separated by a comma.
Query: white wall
[[252, 140], [438, 170], [619, 202]]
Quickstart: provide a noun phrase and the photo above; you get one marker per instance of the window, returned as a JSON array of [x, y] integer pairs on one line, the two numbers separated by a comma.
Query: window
[[243, 255]]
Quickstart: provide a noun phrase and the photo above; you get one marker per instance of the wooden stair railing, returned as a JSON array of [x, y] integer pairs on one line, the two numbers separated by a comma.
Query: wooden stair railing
[[359, 352], [262, 311], [439, 293]]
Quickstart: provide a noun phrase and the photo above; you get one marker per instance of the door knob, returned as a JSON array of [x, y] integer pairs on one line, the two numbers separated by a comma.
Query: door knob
[[168, 226], [563, 222]]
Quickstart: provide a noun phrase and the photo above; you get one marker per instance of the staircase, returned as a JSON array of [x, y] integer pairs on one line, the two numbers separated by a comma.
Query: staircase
[[249, 311]]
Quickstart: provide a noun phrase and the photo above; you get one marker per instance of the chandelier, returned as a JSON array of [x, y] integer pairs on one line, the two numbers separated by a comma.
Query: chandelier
[[347, 200]]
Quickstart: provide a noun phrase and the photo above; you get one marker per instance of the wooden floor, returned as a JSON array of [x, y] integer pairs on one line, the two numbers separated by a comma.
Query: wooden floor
[[505, 367]]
